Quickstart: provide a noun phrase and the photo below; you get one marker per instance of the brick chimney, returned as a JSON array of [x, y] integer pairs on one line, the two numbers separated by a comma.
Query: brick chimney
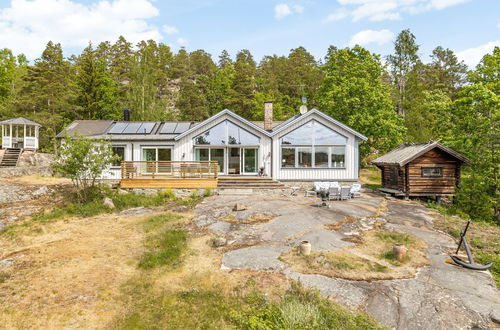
[[268, 115]]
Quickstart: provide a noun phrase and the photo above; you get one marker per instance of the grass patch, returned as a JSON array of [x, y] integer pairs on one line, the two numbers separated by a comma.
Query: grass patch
[[164, 249], [483, 238], [4, 276], [370, 259], [165, 245], [240, 308]]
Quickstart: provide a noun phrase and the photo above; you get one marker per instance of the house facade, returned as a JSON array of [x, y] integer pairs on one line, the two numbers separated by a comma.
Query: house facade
[[310, 146]]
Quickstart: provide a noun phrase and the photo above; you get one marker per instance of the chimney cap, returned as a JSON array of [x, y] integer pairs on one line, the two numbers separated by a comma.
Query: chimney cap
[[268, 101]]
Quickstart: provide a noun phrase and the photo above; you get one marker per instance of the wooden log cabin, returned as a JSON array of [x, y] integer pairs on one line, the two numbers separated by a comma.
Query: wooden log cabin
[[420, 169]]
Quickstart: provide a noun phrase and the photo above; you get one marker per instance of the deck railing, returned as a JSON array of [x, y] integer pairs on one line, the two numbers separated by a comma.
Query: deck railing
[[169, 169]]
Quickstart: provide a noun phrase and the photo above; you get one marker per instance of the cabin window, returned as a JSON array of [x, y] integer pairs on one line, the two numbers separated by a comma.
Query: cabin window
[[313, 145], [226, 133], [120, 152], [432, 171]]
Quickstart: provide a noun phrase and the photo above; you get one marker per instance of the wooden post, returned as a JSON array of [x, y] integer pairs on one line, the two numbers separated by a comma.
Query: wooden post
[[10, 135], [24, 138]]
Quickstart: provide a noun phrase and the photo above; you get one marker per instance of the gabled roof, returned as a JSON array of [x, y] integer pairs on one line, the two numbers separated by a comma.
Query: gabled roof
[[222, 113], [405, 153], [20, 121], [311, 112]]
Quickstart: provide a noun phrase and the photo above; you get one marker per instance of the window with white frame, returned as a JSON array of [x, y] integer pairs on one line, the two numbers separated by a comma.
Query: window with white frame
[[120, 152], [226, 133], [313, 145]]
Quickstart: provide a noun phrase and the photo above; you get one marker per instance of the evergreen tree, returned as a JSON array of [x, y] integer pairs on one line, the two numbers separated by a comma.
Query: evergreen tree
[[353, 92], [401, 64], [242, 92], [48, 94], [96, 92], [445, 73]]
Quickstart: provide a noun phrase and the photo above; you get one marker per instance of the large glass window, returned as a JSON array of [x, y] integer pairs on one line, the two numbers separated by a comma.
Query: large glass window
[[304, 157], [226, 133], [211, 154], [321, 156], [120, 152], [313, 145], [287, 157]]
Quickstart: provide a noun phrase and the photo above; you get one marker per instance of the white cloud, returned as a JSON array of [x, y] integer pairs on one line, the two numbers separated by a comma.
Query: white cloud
[[337, 15], [472, 56], [26, 26], [371, 36], [283, 10], [381, 10], [170, 29], [182, 42]]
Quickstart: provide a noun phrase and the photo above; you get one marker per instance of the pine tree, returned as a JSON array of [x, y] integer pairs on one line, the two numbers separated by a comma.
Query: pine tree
[[97, 93], [402, 63], [242, 92]]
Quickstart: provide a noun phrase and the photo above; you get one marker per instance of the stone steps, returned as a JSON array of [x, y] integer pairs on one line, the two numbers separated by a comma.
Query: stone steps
[[10, 157]]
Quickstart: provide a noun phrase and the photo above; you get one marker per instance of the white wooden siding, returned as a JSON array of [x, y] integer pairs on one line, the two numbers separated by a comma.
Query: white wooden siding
[[184, 149], [349, 173]]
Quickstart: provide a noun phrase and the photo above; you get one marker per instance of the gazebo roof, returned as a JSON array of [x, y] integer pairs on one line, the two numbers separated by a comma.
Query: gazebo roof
[[19, 121]]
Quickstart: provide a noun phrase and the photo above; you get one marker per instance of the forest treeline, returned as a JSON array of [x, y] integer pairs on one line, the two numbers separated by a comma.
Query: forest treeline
[[391, 100]]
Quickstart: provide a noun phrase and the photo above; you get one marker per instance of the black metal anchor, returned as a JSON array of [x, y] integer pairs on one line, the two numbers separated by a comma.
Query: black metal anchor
[[471, 264]]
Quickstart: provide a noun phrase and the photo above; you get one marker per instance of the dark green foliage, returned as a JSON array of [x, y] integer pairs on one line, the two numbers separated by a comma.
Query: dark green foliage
[[353, 92]]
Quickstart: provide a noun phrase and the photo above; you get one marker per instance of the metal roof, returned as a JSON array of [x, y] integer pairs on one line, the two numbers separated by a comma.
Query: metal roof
[[405, 153], [86, 128], [20, 121]]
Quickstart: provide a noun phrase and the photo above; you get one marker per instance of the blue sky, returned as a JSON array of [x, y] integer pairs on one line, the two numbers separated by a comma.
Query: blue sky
[[265, 27]]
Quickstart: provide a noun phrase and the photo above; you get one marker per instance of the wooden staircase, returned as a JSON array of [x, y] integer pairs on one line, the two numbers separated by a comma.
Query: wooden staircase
[[10, 157], [248, 182]]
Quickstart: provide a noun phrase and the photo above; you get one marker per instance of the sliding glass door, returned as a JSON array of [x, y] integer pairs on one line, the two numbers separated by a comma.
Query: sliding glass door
[[239, 160], [153, 154]]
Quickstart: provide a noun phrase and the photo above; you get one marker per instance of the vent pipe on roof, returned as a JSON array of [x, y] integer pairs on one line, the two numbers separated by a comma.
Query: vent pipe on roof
[[268, 115], [126, 114]]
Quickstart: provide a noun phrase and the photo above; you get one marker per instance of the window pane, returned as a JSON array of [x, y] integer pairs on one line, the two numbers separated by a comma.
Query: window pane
[[250, 165], [287, 157], [338, 156], [432, 171], [305, 156], [301, 136], [218, 155], [323, 135], [216, 135], [164, 154], [237, 135], [118, 151], [201, 154], [321, 157], [149, 154]]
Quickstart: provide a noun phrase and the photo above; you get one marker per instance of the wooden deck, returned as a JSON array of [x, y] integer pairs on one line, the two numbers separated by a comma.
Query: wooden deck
[[169, 174], [169, 183]]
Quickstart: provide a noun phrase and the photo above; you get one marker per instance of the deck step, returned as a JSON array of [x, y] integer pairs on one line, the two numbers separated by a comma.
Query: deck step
[[242, 182]]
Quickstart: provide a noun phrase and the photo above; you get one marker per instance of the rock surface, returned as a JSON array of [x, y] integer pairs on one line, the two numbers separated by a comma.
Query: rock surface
[[441, 296]]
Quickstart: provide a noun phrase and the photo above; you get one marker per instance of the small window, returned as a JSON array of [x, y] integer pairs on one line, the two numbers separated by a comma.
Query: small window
[[432, 171], [118, 151]]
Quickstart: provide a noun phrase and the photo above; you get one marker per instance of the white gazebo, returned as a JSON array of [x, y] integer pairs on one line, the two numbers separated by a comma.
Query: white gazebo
[[20, 133]]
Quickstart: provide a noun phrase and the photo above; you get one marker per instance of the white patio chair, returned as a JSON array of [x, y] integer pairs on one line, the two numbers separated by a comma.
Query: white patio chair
[[333, 193], [345, 192], [356, 190]]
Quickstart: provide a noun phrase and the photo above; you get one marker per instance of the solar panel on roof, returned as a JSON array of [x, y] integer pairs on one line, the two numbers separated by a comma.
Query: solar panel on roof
[[118, 128], [168, 128], [146, 128], [182, 127], [131, 128]]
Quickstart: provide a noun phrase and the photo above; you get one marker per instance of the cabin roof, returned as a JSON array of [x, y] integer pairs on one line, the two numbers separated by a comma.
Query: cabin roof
[[405, 153], [19, 121]]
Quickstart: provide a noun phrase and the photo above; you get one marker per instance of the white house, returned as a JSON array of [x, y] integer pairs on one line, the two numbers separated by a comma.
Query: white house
[[310, 146]]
